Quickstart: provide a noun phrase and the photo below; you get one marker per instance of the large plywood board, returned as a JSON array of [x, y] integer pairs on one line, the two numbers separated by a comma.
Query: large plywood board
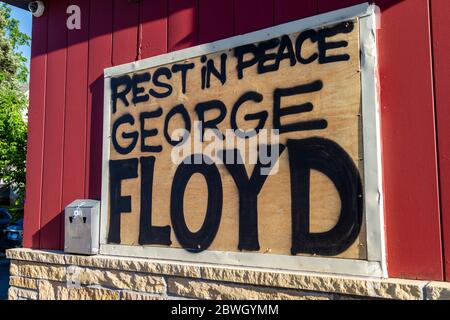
[[317, 72]]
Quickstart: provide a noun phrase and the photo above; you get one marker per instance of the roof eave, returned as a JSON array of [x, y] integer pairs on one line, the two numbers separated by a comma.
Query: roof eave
[[23, 4]]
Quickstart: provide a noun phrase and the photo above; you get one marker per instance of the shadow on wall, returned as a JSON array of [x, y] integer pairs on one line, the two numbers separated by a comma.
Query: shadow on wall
[[168, 9]]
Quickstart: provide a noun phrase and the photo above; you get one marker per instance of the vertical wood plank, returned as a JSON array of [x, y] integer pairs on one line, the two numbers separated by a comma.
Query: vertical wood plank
[[76, 107], [182, 24], [35, 148], [216, 20], [289, 10], [54, 126], [330, 5], [440, 11], [125, 37], [413, 232], [251, 15], [152, 28], [100, 57]]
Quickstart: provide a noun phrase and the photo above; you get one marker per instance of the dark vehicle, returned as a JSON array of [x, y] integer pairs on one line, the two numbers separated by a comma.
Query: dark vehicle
[[14, 234], [5, 220]]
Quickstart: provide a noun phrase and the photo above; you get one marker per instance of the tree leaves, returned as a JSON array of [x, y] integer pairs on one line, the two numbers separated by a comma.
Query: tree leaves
[[13, 102]]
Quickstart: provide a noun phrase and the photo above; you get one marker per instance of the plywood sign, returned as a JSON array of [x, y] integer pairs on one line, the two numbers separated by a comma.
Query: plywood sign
[[257, 148]]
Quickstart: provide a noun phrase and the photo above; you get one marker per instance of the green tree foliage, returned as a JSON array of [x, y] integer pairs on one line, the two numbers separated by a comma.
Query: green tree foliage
[[13, 102]]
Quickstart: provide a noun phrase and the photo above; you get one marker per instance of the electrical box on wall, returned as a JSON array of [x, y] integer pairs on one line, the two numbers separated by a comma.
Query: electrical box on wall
[[82, 218]]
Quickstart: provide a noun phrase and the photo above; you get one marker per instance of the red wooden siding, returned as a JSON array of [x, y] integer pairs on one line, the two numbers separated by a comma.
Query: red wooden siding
[[182, 30], [100, 57], [216, 20], [251, 15], [35, 148], [409, 142], [440, 11], [54, 126], [76, 110], [329, 5], [125, 36], [288, 10], [152, 28], [67, 96]]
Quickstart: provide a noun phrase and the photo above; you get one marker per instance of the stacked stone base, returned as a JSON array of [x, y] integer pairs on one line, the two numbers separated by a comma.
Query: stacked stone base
[[45, 275]]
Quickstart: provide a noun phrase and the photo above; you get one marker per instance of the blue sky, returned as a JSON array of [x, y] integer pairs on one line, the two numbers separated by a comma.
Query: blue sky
[[25, 26]]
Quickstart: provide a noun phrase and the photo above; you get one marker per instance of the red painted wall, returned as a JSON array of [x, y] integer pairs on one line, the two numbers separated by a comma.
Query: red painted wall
[[66, 103], [440, 11]]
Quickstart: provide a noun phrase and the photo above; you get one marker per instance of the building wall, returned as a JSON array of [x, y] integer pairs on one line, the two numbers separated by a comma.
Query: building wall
[[66, 103]]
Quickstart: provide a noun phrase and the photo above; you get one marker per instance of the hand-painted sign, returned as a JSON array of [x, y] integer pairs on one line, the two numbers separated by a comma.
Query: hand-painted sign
[[253, 148]]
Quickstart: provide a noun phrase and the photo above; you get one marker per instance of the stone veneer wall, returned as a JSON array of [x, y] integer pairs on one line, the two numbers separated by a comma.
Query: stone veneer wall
[[48, 275]]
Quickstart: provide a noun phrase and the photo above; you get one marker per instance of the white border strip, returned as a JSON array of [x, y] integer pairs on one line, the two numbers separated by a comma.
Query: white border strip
[[374, 208], [376, 264], [249, 259], [105, 163]]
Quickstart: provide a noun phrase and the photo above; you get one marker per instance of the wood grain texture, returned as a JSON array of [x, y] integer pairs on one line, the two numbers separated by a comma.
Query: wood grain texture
[[338, 102]]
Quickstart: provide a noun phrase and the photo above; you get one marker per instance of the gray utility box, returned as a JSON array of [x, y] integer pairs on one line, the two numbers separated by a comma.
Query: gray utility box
[[82, 227]]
